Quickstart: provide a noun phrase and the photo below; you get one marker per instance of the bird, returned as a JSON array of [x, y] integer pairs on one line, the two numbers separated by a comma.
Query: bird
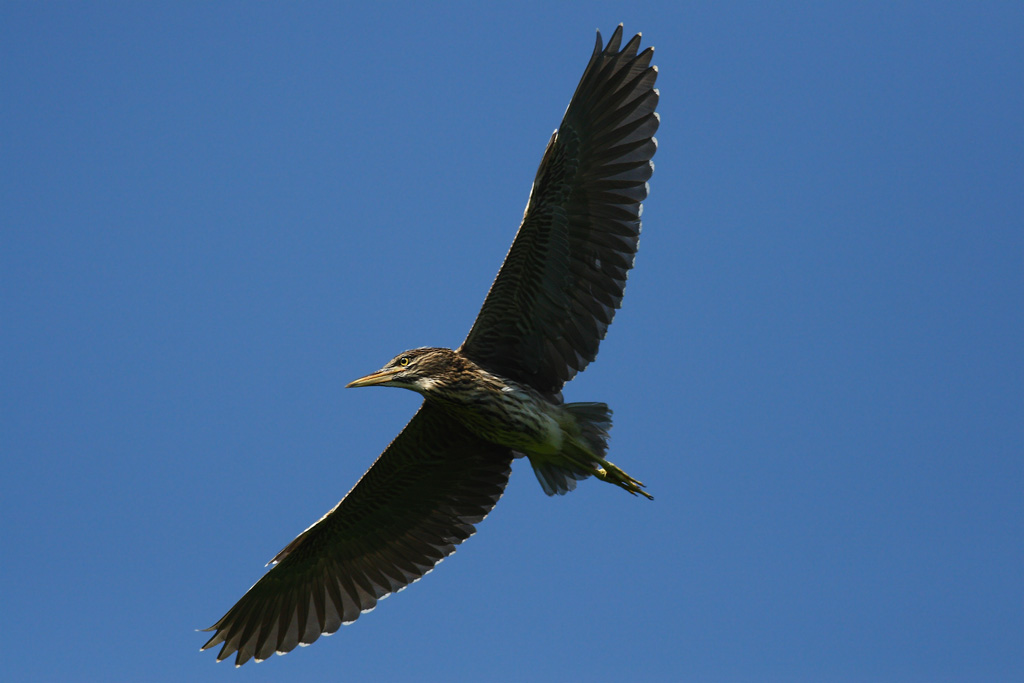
[[498, 396]]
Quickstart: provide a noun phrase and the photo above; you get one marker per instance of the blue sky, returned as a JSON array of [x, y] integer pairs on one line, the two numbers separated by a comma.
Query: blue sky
[[215, 215]]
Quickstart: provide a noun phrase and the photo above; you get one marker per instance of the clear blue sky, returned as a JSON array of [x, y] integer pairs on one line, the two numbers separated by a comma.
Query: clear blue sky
[[213, 216]]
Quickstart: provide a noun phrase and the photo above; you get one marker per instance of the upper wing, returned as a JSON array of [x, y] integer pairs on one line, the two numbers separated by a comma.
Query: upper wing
[[417, 502], [564, 276]]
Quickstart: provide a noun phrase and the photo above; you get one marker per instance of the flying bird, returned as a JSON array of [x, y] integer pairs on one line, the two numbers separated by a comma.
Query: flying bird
[[499, 395]]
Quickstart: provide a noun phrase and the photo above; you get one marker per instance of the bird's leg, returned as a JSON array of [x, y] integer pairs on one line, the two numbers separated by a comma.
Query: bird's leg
[[589, 461]]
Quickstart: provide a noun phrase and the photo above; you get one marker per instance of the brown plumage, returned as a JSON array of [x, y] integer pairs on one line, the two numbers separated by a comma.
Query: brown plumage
[[496, 397]]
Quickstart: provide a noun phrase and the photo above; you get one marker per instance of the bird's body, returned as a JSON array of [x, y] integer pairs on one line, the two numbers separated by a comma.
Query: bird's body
[[492, 407], [567, 439], [496, 397]]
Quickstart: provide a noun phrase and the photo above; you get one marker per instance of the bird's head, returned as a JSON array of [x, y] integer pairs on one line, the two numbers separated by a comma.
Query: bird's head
[[416, 369]]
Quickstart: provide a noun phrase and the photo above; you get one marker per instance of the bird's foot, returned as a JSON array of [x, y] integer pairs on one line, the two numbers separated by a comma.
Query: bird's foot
[[614, 475]]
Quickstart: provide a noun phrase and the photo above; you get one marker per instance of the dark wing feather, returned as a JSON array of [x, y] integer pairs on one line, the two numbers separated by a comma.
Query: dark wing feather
[[419, 500], [563, 279]]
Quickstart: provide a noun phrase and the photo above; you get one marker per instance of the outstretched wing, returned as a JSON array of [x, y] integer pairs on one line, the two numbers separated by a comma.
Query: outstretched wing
[[563, 279], [417, 502]]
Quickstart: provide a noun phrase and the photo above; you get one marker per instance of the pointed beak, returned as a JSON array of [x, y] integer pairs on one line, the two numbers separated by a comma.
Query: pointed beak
[[381, 377]]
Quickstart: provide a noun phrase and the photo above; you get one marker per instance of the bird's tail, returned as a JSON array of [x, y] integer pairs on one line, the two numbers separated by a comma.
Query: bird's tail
[[595, 421], [558, 474]]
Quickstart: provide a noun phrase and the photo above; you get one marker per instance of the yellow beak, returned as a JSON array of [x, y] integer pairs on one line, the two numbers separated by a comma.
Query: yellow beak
[[374, 379]]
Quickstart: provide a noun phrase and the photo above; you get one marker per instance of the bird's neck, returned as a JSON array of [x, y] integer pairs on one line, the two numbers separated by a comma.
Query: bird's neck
[[466, 386]]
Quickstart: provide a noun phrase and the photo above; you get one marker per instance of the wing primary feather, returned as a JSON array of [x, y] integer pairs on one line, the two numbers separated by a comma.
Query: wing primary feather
[[564, 276], [411, 509]]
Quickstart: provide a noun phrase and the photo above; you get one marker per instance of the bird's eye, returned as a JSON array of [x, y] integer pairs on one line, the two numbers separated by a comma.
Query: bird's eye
[[403, 361]]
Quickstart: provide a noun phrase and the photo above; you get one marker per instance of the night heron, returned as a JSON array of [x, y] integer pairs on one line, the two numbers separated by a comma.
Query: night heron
[[496, 397]]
